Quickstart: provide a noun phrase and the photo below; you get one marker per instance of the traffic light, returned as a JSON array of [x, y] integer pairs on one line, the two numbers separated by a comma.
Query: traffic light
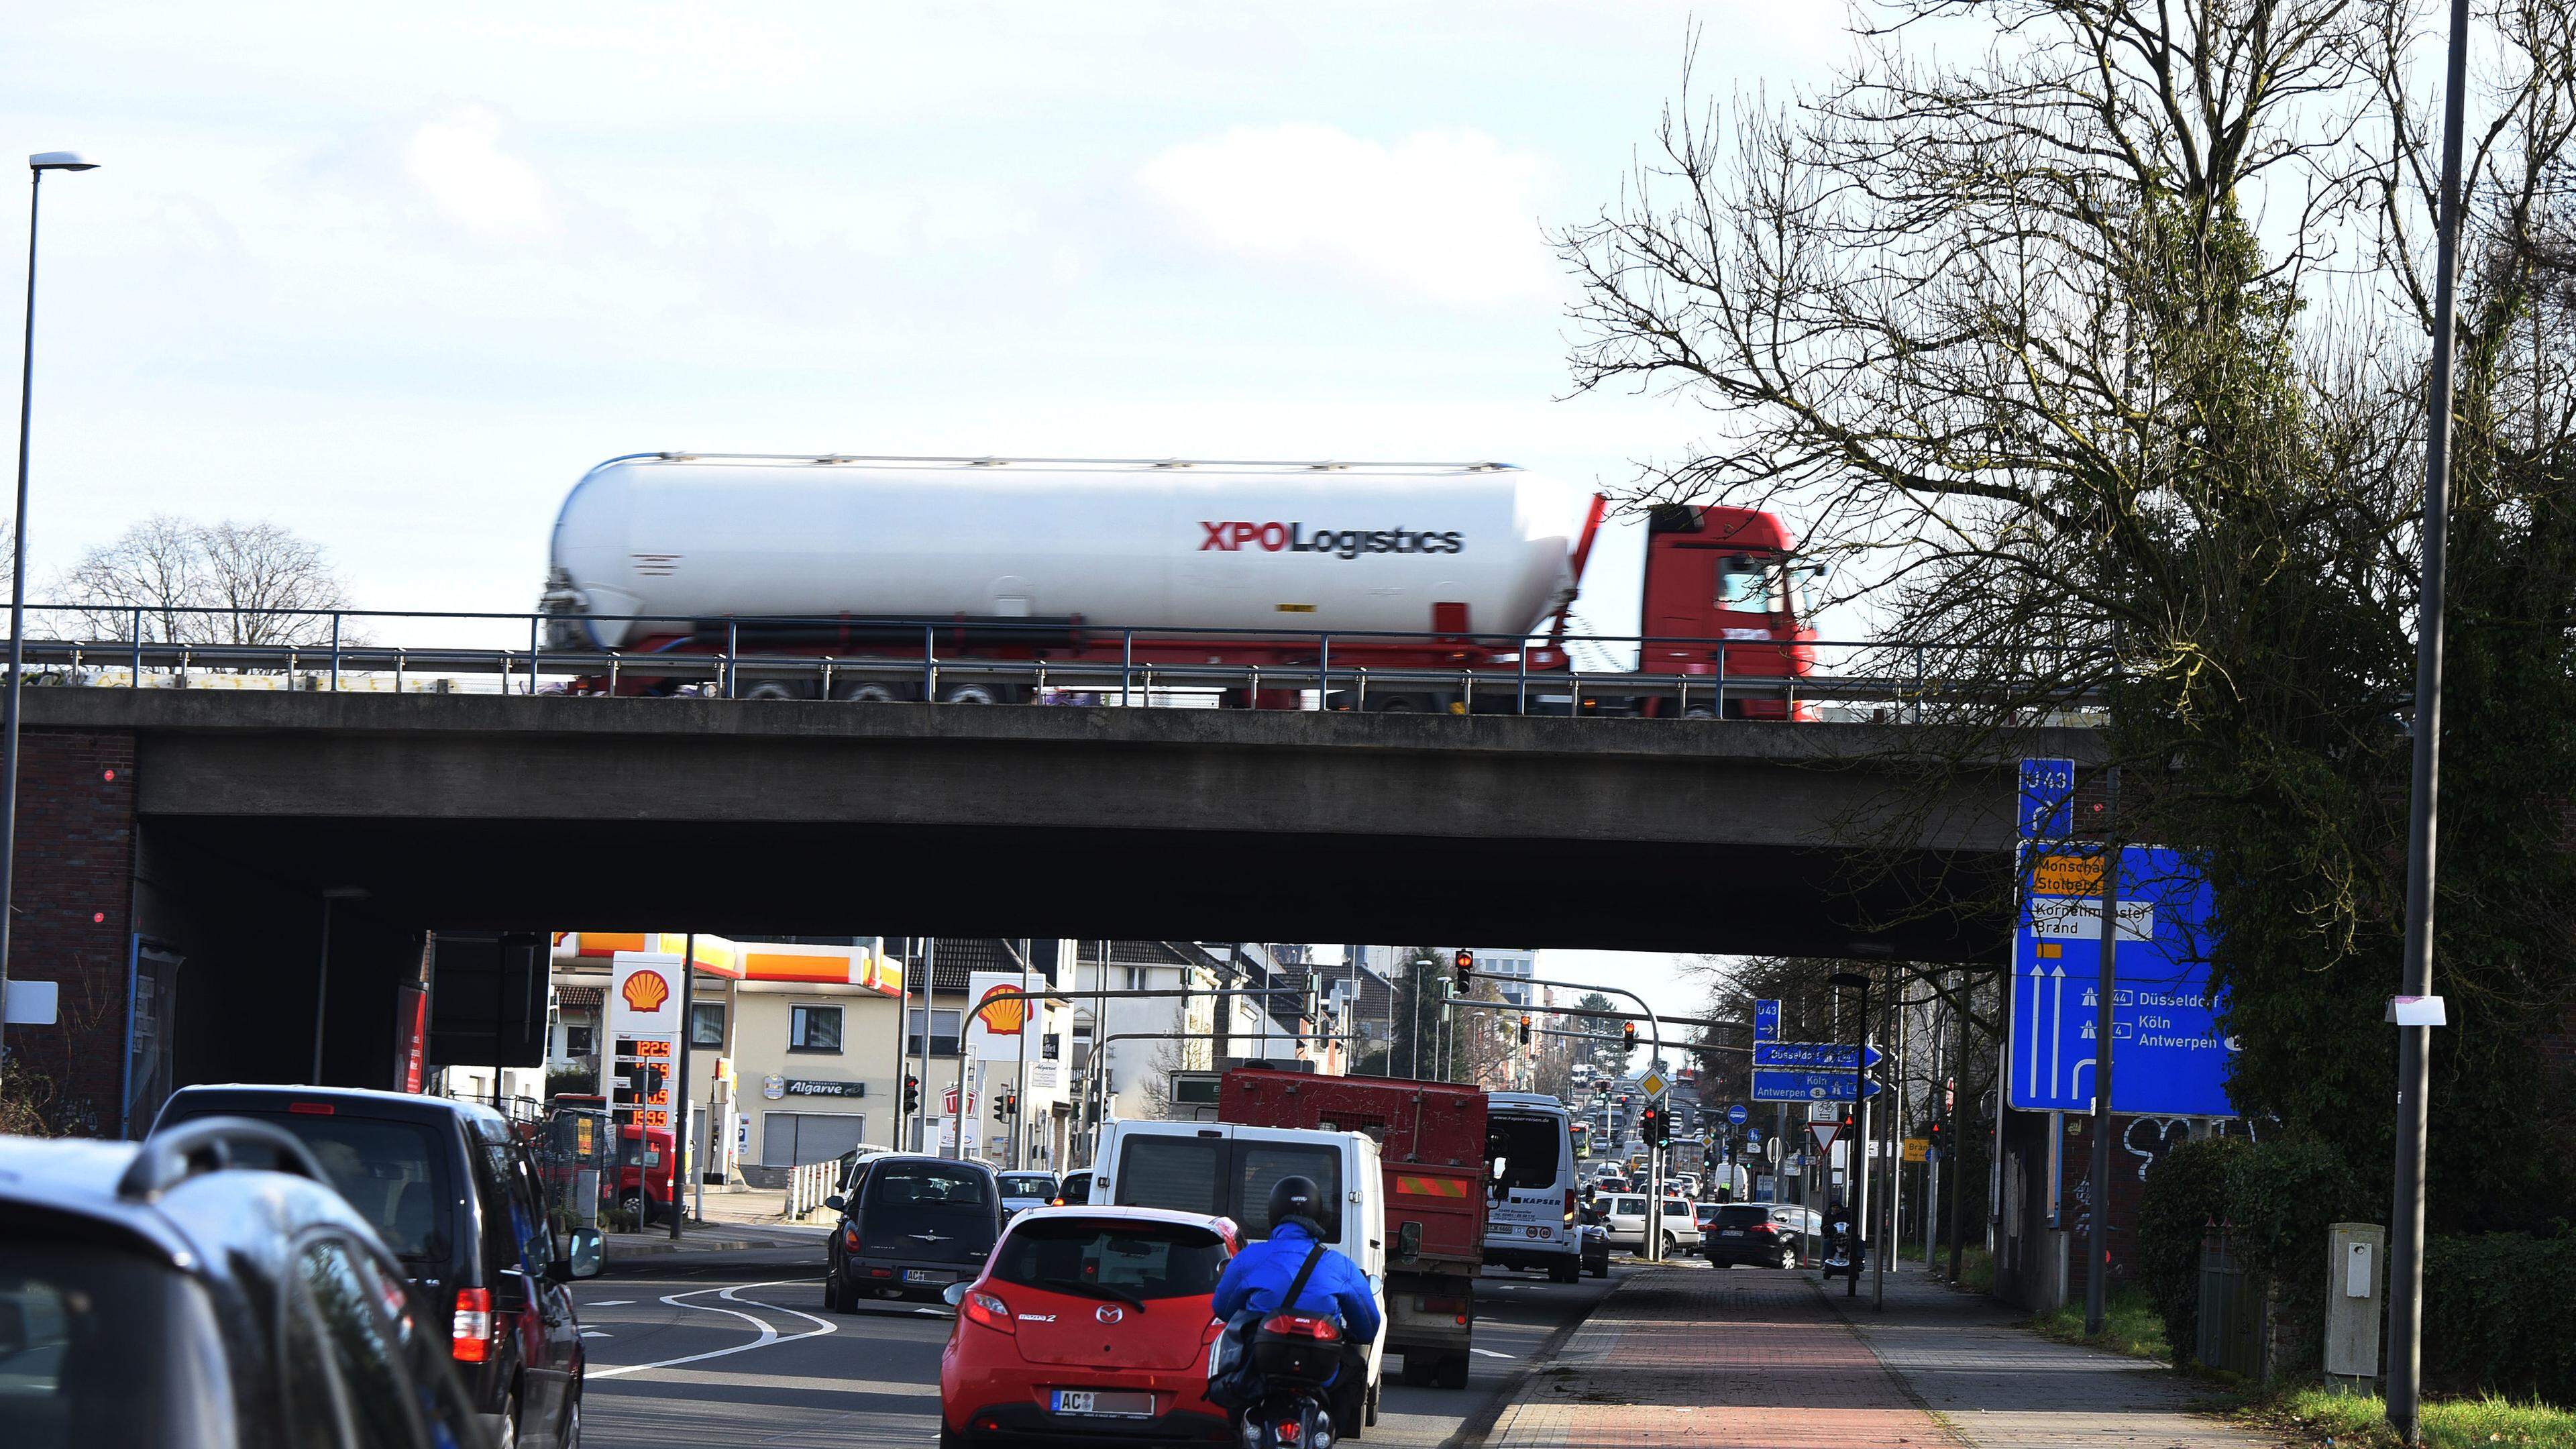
[[911, 1093], [1628, 1035], [1938, 1136], [1464, 964], [1000, 1112], [1011, 1099], [1525, 1028]]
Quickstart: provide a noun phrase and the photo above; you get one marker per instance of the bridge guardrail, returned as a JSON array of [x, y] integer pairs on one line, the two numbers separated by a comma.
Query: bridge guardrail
[[332, 651]]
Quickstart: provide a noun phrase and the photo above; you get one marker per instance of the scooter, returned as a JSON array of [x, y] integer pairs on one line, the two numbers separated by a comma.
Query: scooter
[[1295, 1355], [1839, 1257]]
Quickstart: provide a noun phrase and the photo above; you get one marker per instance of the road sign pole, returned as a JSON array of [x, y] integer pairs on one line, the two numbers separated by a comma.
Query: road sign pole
[[1950, 1114], [2097, 1277]]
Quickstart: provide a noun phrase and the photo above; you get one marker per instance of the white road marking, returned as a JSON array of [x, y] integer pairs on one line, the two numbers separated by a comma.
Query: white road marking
[[611, 1303], [595, 1333], [768, 1335], [1489, 1353]]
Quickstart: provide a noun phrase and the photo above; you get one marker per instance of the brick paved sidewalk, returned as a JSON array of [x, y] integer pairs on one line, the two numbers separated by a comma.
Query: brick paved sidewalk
[[1713, 1359], [1760, 1359]]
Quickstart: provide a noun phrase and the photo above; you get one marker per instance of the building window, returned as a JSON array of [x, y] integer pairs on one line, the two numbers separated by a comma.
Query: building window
[[814, 1028], [706, 1025], [579, 1041], [944, 1026], [1136, 978]]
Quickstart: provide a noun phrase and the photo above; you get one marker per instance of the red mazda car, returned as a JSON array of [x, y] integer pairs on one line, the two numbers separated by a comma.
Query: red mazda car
[[1090, 1325]]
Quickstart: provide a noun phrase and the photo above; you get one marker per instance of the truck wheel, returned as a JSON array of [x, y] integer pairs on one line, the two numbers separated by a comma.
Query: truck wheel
[[778, 689], [974, 694], [1453, 1373], [1566, 1272], [870, 692]]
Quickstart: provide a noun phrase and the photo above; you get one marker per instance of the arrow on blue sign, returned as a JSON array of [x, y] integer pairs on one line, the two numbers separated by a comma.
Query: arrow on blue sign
[[1766, 1021], [1794, 1086], [1809, 1055]]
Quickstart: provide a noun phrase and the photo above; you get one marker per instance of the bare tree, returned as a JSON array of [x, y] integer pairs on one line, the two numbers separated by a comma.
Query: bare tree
[[185, 582]]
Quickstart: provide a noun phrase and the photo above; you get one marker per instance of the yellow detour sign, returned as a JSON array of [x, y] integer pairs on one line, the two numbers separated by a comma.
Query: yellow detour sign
[[1914, 1148], [2067, 875]]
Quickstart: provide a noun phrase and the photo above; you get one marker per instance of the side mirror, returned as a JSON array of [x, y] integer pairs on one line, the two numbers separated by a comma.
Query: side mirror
[[955, 1293], [1408, 1242], [836, 1203], [589, 1253]]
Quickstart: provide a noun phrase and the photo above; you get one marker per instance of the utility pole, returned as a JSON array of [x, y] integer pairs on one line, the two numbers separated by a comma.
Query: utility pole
[[1950, 1113], [679, 1088], [2414, 1036], [2097, 1276]]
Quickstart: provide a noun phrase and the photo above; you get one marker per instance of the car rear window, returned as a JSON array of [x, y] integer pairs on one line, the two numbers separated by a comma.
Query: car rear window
[[1524, 1152], [1743, 1215], [99, 1347], [1227, 1178], [930, 1187], [391, 1172], [1084, 1255], [1635, 1206], [1027, 1184]]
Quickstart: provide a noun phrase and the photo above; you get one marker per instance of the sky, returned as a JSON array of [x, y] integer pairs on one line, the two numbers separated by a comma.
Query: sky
[[394, 276]]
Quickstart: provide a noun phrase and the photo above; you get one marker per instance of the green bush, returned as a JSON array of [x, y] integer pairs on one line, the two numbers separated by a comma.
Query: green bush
[[2282, 1196], [2491, 1324], [2186, 1195]]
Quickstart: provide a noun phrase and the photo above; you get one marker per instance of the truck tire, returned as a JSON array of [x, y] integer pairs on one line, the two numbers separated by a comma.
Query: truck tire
[[869, 691], [1566, 1272], [778, 689], [1452, 1373]]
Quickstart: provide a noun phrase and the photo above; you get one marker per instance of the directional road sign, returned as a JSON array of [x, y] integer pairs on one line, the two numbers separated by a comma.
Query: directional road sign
[[1809, 1055], [2171, 1059], [1766, 1021], [1752, 1136], [1799, 1086], [1736, 1114]]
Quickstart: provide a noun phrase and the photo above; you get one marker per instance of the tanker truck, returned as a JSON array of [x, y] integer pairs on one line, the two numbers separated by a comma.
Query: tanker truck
[[1433, 587]]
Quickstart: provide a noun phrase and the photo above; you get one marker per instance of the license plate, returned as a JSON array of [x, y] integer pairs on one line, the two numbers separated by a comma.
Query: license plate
[[926, 1275], [1730, 1232], [1104, 1404]]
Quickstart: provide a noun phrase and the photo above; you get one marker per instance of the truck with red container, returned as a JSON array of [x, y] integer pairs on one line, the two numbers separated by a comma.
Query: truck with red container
[[1420, 587], [1431, 1142]]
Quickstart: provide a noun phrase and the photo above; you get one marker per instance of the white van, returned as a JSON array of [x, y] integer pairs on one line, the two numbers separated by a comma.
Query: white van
[[1221, 1168], [1529, 1185]]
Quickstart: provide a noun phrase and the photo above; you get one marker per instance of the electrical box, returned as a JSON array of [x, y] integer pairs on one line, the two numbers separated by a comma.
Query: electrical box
[[2356, 1266]]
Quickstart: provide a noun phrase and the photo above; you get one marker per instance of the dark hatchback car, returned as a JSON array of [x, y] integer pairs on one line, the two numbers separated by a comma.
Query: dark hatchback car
[[1765, 1235], [158, 1294], [910, 1225], [450, 1189]]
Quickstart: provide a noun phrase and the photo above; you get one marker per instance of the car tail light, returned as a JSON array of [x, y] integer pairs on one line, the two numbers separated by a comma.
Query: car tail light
[[987, 1310], [850, 1236], [1299, 1325], [1569, 1204], [471, 1339]]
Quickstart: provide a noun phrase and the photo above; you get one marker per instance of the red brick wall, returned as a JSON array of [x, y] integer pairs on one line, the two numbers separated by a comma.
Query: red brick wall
[[74, 888]]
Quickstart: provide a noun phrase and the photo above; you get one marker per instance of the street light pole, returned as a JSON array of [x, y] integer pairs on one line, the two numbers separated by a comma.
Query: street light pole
[[2414, 1070], [37, 166], [1857, 1206]]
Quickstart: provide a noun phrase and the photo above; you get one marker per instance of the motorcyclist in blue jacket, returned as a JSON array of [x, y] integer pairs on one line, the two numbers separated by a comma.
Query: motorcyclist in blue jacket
[[1259, 1276]]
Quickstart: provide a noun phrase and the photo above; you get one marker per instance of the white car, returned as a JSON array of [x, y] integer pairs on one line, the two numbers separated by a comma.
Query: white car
[[1624, 1215], [1022, 1191]]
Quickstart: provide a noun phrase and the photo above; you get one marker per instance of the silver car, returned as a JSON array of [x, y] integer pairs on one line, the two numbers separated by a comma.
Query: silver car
[[1022, 1191]]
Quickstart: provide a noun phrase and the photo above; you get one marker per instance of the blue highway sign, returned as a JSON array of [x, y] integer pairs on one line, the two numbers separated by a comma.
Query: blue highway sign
[[1789, 1086], [1736, 1114], [2047, 800], [1810, 1055], [1766, 1021], [2169, 1056]]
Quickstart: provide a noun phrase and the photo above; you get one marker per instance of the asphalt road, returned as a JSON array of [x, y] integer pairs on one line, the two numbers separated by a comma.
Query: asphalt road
[[741, 1352]]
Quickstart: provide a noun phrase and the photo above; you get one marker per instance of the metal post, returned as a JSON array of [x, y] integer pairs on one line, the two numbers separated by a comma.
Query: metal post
[[1126, 662], [137, 666], [679, 1084], [534, 623], [2097, 1274], [322, 995], [1858, 1182], [1524, 709], [923, 1139], [17, 603], [929, 694], [2414, 1069], [1324, 676], [1950, 1114], [902, 1051], [1895, 1164], [335, 651]]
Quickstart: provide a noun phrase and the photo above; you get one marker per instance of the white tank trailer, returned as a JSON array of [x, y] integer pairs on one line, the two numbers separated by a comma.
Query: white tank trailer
[[677, 540]]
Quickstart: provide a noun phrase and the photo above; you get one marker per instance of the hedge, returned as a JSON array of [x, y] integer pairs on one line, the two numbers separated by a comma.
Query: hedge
[[2492, 1323], [2185, 1194]]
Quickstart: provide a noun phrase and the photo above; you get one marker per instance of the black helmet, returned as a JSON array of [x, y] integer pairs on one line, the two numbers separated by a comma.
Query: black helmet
[[1297, 1199]]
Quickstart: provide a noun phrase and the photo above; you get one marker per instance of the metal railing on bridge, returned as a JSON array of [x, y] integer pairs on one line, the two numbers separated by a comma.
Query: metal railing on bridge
[[445, 652]]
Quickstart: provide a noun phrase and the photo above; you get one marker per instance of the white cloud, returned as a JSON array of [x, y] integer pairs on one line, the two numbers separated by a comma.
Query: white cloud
[[458, 162], [1452, 215]]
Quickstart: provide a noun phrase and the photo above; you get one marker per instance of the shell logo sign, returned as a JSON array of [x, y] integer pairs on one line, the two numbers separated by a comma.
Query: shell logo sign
[[645, 991], [1003, 1018]]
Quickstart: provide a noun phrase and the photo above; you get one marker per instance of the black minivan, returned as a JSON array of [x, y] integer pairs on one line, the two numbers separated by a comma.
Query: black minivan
[[450, 1189], [911, 1224]]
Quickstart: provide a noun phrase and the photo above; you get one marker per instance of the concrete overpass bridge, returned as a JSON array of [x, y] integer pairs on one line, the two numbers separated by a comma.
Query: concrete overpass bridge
[[214, 824]]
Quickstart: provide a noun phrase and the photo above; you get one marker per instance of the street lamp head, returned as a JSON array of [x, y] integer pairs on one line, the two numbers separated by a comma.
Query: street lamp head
[[60, 161], [1849, 978]]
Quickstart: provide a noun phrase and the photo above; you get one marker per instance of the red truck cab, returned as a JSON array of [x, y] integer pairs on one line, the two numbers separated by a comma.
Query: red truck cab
[[1717, 573], [645, 1166]]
